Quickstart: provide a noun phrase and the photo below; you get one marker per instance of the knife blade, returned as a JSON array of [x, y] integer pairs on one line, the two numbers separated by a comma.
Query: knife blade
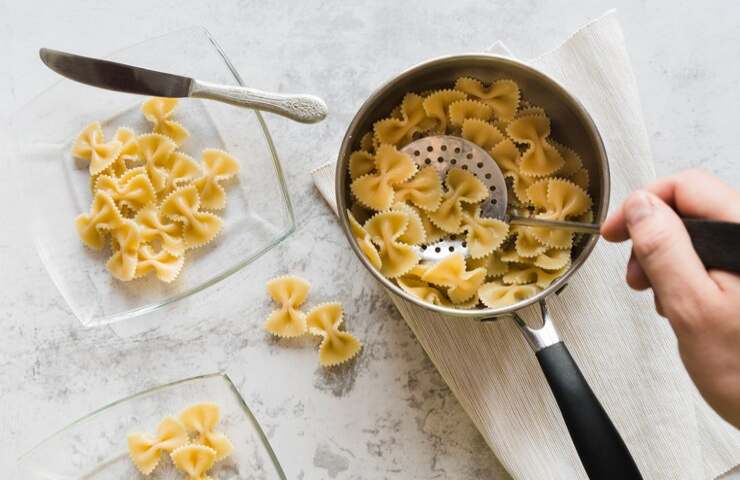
[[115, 76]]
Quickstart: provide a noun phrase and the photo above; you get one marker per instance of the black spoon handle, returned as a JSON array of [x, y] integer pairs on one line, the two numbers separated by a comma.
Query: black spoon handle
[[717, 243]]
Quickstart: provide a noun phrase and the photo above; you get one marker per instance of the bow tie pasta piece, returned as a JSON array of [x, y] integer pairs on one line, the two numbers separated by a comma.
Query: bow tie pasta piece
[[337, 346], [154, 227], [414, 233], [553, 259], [181, 169], [91, 146], [194, 460], [421, 289], [481, 133], [400, 131], [155, 151], [497, 295], [451, 272], [540, 159], [564, 200], [375, 190], [571, 160], [133, 192], [165, 265], [361, 163], [290, 292], [129, 145], [527, 244], [432, 232], [507, 156], [158, 111], [532, 275], [104, 216], [462, 187], [218, 166], [183, 206], [466, 109], [363, 241], [126, 240], [493, 263], [484, 235], [437, 106], [423, 190], [202, 419], [385, 229], [367, 142], [501, 96], [146, 450]]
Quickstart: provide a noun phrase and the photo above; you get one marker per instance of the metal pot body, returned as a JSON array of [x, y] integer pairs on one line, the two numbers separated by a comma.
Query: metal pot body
[[571, 125]]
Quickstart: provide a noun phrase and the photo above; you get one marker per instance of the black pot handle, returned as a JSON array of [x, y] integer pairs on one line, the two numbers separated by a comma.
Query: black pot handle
[[600, 447]]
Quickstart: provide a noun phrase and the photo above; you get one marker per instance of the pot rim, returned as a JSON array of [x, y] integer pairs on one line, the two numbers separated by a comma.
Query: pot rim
[[341, 183]]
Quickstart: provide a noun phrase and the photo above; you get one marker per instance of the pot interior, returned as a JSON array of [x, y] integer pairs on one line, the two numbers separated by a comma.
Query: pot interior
[[571, 125]]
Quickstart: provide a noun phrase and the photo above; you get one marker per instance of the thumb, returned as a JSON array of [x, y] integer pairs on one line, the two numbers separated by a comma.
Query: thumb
[[663, 249]]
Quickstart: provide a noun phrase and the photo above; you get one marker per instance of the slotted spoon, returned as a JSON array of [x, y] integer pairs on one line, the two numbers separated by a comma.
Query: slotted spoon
[[714, 241]]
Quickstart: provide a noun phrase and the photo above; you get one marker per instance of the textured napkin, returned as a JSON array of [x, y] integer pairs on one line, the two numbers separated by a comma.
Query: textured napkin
[[626, 352]]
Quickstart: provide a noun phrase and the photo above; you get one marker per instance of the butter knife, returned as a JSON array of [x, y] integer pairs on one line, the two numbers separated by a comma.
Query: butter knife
[[126, 78]]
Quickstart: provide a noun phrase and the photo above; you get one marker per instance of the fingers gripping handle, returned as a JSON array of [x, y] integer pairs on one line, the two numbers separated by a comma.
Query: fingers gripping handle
[[717, 243], [301, 108]]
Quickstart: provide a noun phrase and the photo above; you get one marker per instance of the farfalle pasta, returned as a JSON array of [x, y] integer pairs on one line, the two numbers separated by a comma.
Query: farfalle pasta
[[191, 440], [423, 190], [376, 190], [336, 346], [289, 292], [183, 206], [385, 229], [462, 188], [201, 420], [498, 295], [501, 96], [466, 109], [452, 273], [399, 131], [145, 449], [437, 107], [218, 166], [91, 146], [324, 320], [149, 197], [483, 235], [194, 461], [540, 158], [407, 210], [159, 111]]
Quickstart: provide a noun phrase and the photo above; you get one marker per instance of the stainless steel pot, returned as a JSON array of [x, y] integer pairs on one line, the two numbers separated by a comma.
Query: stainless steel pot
[[599, 445]]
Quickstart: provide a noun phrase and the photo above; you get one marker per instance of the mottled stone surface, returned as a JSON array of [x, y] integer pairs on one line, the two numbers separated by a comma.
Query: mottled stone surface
[[388, 414]]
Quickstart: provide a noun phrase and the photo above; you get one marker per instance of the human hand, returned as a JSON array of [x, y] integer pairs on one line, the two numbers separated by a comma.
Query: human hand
[[703, 307]]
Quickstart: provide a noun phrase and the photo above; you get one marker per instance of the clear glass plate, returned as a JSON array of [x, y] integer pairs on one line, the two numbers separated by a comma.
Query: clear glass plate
[[55, 187], [94, 447]]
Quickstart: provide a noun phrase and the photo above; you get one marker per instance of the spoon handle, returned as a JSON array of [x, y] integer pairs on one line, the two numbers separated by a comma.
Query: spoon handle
[[717, 243], [577, 227], [301, 108]]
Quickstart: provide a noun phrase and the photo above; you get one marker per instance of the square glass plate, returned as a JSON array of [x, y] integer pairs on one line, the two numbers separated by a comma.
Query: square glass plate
[[55, 187], [95, 447]]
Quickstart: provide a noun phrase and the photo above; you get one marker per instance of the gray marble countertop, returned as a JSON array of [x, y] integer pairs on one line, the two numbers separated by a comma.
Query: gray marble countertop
[[389, 414]]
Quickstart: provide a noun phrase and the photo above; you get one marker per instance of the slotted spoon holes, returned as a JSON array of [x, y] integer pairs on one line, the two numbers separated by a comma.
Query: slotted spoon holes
[[444, 152], [442, 249]]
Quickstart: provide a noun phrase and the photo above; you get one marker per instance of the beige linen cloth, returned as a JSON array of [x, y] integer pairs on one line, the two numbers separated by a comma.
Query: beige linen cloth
[[626, 352]]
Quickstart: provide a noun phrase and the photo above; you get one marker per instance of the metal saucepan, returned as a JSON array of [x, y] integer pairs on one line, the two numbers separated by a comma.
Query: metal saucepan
[[599, 445]]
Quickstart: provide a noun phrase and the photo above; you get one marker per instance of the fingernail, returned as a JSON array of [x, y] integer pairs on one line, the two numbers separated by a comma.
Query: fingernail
[[638, 206]]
